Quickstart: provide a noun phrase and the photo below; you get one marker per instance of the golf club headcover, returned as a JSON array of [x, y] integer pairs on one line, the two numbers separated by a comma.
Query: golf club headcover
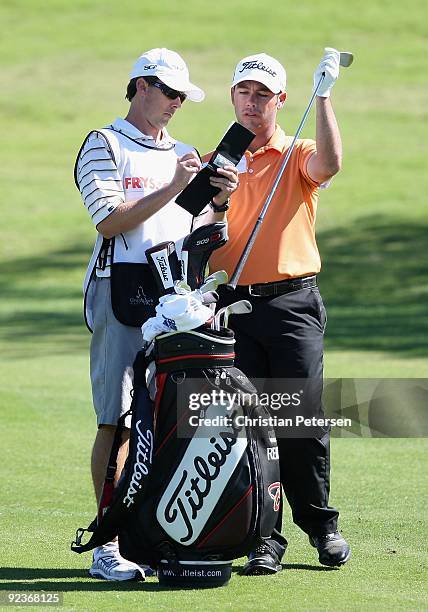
[[196, 250], [165, 265], [199, 191]]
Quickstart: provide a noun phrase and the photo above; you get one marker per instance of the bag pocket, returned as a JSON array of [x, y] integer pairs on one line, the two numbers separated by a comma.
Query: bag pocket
[[133, 293]]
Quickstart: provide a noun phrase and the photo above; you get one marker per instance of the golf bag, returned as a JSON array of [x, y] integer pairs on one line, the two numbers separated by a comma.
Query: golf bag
[[201, 483]]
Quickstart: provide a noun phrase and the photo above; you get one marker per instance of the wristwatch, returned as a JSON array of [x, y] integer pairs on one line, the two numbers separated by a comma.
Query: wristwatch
[[219, 208]]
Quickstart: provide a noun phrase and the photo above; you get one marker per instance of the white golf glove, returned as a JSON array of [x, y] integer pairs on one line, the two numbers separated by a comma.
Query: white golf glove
[[330, 66]]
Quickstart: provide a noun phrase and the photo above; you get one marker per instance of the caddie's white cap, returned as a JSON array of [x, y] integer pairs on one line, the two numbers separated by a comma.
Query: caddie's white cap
[[170, 68], [263, 69]]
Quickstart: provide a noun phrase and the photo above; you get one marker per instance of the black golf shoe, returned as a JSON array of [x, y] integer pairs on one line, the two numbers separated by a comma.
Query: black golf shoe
[[332, 548], [263, 560]]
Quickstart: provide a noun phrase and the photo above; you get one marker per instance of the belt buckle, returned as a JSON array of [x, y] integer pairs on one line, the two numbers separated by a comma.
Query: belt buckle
[[250, 292]]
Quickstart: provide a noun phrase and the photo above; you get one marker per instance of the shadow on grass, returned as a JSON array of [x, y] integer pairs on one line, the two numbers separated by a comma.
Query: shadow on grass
[[42, 302], [67, 580], [63, 580], [294, 566], [36, 573], [375, 285]]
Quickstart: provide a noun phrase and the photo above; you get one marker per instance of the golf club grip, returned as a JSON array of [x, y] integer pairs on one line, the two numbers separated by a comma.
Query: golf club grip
[[243, 259]]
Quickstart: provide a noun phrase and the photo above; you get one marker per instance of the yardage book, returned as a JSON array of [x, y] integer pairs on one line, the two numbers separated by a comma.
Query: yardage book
[[231, 148]]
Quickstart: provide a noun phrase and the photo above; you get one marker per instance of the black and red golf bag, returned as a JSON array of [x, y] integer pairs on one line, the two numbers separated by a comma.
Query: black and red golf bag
[[201, 483]]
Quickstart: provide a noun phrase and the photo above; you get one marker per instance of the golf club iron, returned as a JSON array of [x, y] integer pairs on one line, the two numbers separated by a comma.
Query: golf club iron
[[241, 307], [210, 297], [210, 284], [220, 276], [181, 287], [346, 59]]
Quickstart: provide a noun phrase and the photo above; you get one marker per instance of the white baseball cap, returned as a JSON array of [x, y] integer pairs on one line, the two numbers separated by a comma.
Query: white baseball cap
[[170, 68], [263, 69]]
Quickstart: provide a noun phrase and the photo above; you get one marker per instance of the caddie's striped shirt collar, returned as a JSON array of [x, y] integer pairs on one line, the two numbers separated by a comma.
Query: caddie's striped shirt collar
[[126, 128]]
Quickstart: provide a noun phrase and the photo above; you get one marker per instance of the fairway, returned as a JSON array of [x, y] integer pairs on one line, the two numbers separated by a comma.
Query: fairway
[[64, 72]]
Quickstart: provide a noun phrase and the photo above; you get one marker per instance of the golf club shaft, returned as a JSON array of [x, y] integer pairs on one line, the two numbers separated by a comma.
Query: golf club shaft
[[243, 259]]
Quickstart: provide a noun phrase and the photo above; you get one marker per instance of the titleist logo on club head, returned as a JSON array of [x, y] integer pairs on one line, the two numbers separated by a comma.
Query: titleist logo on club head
[[163, 267], [161, 262], [258, 66], [143, 461], [200, 480]]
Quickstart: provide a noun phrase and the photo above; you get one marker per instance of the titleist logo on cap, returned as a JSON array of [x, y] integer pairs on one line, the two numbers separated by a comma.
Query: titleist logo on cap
[[258, 66]]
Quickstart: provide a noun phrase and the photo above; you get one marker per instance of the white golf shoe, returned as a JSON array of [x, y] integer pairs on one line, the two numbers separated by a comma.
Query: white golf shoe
[[109, 564]]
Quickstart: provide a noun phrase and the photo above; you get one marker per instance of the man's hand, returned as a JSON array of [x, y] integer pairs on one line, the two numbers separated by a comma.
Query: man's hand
[[329, 65], [227, 181], [187, 166]]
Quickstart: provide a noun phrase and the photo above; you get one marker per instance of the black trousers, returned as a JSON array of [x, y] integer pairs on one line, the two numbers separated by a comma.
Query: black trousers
[[283, 338]]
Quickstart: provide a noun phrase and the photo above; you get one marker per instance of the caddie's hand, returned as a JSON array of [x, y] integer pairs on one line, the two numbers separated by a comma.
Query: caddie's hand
[[227, 181], [329, 65], [187, 166]]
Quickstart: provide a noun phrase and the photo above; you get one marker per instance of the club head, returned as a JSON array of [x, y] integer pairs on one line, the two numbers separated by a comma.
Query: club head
[[210, 284], [346, 58], [218, 316], [197, 248], [210, 297], [241, 307], [221, 277], [181, 287]]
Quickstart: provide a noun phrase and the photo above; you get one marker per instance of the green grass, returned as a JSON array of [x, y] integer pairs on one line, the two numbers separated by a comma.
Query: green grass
[[64, 72], [46, 494]]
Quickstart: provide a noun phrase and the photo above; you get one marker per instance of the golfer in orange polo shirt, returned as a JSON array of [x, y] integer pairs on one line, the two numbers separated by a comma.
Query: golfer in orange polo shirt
[[283, 336]]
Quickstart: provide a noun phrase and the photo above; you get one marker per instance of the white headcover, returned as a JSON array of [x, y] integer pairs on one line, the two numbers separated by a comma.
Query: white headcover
[[177, 313]]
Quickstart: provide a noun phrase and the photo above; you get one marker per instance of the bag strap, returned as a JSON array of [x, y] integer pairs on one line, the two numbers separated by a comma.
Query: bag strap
[[108, 487], [126, 496], [107, 492]]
